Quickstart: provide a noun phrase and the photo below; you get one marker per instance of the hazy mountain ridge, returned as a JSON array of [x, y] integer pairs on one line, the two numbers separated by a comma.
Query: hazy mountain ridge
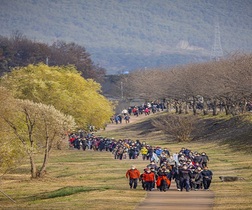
[[123, 35]]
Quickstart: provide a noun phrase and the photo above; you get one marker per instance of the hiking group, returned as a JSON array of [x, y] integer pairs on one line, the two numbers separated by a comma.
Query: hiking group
[[145, 109], [188, 169]]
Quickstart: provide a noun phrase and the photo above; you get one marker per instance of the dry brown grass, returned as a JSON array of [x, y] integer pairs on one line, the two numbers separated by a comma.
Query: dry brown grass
[[98, 181], [100, 177], [225, 160]]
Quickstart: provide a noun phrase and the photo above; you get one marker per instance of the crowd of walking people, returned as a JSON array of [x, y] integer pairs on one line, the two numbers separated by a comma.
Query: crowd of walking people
[[144, 109], [188, 169]]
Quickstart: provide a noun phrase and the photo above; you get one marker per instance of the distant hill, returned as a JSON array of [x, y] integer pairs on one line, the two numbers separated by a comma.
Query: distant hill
[[123, 35]]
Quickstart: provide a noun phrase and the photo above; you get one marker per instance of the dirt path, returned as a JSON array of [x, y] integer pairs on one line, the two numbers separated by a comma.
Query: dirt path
[[133, 119], [177, 200], [172, 199]]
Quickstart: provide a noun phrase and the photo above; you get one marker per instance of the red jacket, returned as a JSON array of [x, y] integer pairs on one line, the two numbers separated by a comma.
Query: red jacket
[[133, 174], [149, 177], [160, 178]]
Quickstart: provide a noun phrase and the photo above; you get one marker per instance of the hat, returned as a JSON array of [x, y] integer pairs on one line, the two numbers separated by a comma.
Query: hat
[[199, 169], [133, 167]]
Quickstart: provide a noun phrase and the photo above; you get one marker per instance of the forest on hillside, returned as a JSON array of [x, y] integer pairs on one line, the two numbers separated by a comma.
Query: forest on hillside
[[125, 35], [18, 51]]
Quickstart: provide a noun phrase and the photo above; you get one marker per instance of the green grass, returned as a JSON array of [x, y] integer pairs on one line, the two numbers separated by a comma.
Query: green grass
[[66, 191]]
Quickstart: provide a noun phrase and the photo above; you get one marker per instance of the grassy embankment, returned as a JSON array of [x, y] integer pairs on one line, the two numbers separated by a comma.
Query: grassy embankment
[[94, 180]]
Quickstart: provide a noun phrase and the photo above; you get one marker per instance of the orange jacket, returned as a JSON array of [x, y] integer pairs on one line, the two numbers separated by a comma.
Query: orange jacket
[[160, 178], [149, 177], [133, 174]]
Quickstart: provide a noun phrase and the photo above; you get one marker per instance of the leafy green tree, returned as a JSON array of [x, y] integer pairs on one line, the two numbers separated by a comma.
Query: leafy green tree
[[65, 89], [11, 151]]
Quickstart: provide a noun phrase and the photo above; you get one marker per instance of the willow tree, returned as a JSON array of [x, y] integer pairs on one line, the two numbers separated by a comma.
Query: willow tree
[[65, 89], [37, 128]]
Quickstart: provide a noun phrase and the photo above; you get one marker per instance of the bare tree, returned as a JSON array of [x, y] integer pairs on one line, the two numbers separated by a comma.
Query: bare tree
[[179, 127], [145, 84], [222, 85], [63, 53]]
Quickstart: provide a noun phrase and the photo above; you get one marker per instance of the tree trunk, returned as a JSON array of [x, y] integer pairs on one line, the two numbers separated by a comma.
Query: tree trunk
[[205, 108], [227, 107], [194, 106], [186, 108], [244, 106], [42, 171], [168, 106], [214, 107], [33, 166], [180, 108], [176, 107]]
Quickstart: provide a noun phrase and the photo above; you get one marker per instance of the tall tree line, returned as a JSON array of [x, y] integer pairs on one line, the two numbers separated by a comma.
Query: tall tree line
[[225, 84], [19, 51]]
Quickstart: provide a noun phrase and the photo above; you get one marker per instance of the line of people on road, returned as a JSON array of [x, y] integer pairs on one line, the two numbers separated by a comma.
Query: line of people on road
[[145, 109], [188, 169]]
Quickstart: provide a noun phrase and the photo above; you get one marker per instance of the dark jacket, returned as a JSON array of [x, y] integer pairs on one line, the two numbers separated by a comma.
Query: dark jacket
[[184, 173], [207, 174]]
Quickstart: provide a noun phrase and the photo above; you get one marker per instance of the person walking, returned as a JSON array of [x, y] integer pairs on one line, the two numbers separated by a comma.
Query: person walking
[[196, 179], [133, 175], [149, 178], [144, 152], [127, 119], [184, 175], [163, 183], [141, 179], [205, 159], [207, 177], [175, 176]]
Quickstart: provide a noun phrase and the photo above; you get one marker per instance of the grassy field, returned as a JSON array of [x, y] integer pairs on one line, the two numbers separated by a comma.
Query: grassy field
[[74, 180], [225, 160], [95, 180]]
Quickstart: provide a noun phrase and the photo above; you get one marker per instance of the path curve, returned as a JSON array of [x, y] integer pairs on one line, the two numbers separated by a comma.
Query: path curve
[[133, 119], [171, 199]]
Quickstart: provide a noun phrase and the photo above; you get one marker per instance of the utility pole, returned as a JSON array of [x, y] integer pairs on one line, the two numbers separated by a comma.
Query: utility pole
[[217, 51], [121, 89]]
